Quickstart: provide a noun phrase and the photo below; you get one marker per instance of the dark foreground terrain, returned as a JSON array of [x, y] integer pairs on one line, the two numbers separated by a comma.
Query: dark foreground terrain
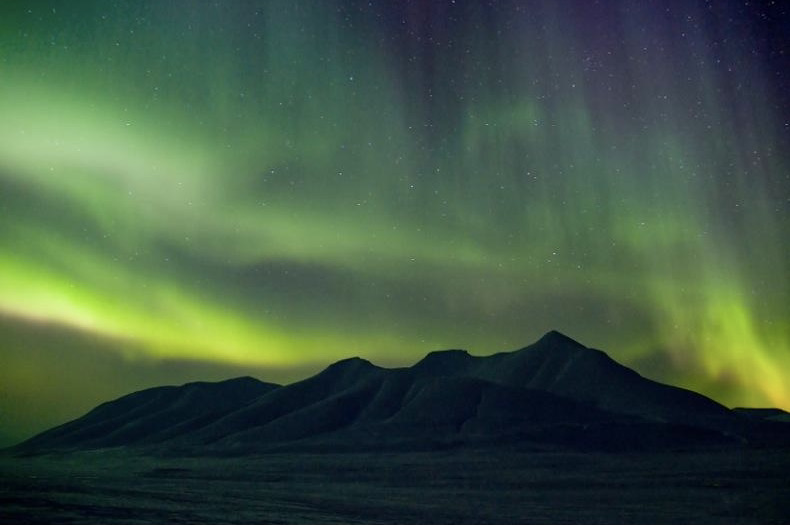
[[479, 486]]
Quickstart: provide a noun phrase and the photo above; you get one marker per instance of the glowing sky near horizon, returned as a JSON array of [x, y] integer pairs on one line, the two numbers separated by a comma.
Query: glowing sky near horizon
[[275, 184]]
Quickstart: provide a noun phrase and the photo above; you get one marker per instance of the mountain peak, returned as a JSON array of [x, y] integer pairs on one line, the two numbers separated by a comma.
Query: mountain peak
[[451, 352], [555, 338], [444, 362], [241, 380], [445, 356], [352, 363]]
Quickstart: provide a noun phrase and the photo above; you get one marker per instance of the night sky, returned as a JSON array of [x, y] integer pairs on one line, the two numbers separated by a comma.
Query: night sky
[[199, 190]]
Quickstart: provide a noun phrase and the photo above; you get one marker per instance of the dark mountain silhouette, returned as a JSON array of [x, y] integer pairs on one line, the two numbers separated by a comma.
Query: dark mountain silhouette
[[553, 393], [770, 414], [153, 415], [558, 364]]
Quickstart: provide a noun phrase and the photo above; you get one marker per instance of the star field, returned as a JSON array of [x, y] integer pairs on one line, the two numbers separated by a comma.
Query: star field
[[189, 189]]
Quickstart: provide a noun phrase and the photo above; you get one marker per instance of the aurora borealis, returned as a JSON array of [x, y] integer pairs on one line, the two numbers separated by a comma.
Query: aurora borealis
[[190, 188]]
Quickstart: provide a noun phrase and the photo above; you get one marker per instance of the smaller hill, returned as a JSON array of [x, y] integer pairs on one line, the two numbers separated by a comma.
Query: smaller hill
[[153, 415]]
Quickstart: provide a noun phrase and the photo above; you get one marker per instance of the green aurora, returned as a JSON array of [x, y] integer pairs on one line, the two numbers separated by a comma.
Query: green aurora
[[190, 190]]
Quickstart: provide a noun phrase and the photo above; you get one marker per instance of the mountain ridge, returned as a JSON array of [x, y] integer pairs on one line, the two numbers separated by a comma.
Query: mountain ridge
[[555, 392]]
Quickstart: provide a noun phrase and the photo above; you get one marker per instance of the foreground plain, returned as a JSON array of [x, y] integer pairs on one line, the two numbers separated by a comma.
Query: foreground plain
[[455, 486]]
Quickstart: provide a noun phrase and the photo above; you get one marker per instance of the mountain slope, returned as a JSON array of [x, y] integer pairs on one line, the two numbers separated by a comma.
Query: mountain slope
[[399, 409], [558, 364], [152, 415]]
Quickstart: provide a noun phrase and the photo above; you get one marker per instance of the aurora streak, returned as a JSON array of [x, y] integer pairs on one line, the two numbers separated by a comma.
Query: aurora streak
[[279, 185]]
